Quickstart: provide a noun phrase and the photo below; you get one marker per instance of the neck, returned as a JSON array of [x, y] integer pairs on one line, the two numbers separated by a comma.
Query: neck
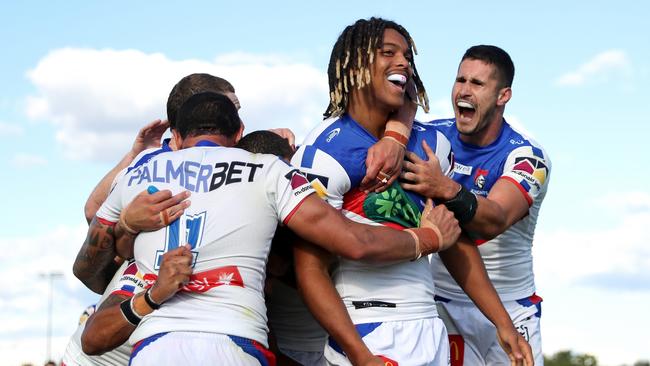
[[367, 113], [218, 139]]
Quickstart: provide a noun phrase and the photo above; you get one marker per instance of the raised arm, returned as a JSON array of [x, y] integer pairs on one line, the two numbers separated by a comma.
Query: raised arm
[[464, 263], [148, 137], [385, 158]]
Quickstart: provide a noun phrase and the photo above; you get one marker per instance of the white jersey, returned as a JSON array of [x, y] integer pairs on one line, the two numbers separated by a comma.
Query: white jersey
[[508, 257], [127, 281], [333, 158], [237, 200]]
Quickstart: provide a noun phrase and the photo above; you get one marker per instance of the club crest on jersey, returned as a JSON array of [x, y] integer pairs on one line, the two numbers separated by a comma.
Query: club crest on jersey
[[299, 183], [332, 134], [480, 178], [533, 170]]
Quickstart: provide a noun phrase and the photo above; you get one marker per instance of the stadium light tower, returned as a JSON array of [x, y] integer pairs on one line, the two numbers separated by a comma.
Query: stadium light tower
[[51, 276]]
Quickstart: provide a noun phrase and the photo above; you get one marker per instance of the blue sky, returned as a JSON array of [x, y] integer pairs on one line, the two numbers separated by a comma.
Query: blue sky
[[79, 79]]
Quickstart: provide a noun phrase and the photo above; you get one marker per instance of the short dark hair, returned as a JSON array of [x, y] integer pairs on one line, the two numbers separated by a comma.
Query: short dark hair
[[190, 85], [496, 56], [266, 142], [351, 57], [208, 114]]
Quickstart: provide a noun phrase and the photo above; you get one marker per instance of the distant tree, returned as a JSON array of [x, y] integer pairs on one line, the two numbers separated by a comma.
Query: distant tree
[[642, 363], [567, 358]]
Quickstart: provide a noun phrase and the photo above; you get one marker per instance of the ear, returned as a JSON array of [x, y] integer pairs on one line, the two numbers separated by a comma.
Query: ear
[[177, 141], [504, 96], [240, 133]]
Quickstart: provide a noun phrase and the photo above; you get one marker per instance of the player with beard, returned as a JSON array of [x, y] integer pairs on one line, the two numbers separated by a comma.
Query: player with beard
[[391, 306], [500, 180]]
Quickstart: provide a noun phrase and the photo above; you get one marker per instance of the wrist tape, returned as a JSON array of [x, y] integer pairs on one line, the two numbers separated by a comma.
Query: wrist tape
[[126, 307], [427, 240], [126, 227], [397, 137], [147, 298], [463, 205]]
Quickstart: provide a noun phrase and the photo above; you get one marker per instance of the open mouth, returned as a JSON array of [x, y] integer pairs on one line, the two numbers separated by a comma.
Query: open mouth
[[465, 109], [398, 80]]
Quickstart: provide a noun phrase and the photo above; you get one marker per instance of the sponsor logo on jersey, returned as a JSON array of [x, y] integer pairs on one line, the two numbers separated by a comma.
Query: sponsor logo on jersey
[[480, 177], [332, 134], [388, 361], [299, 183], [533, 170], [130, 280], [516, 142], [456, 349], [194, 176], [204, 281], [462, 169]]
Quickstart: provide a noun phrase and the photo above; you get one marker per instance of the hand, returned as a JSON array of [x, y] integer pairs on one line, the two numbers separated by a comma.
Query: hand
[[286, 134], [441, 218], [174, 273], [149, 212], [425, 176], [386, 156], [149, 136], [515, 346]]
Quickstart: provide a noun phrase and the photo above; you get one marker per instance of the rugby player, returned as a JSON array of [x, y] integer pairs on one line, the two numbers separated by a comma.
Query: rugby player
[[500, 179], [237, 200], [391, 306]]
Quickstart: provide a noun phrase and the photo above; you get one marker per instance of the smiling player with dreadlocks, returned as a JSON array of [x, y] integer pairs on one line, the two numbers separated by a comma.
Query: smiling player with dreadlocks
[[391, 306]]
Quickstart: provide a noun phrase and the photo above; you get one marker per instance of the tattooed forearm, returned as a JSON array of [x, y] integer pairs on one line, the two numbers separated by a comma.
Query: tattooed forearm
[[95, 264]]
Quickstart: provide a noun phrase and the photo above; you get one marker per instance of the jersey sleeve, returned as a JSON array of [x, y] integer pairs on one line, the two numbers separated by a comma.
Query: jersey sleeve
[[529, 168], [112, 207], [131, 281], [326, 175], [286, 187]]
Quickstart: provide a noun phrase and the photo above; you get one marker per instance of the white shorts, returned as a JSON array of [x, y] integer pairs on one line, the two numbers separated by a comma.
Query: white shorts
[[472, 337], [197, 348], [414, 342]]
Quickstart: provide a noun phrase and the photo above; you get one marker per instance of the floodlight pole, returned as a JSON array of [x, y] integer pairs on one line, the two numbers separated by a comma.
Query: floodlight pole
[[51, 276]]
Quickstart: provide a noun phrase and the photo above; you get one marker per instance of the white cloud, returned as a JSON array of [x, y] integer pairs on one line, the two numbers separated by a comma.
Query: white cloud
[[22, 160], [98, 99], [23, 309], [10, 130], [597, 68]]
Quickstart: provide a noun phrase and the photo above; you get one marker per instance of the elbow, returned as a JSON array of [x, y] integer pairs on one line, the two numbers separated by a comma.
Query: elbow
[[89, 346], [87, 280], [90, 209]]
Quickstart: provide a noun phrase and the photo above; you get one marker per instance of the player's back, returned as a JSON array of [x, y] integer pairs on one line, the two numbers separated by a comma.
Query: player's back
[[237, 199]]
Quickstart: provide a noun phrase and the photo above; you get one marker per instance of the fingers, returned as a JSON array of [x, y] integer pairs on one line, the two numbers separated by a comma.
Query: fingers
[[430, 153]]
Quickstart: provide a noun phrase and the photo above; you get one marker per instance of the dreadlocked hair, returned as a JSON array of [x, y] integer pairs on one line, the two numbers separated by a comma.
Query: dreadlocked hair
[[352, 55]]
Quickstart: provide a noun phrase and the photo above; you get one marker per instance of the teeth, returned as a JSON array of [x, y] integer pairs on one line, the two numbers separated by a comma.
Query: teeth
[[397, 78], [464, 104]]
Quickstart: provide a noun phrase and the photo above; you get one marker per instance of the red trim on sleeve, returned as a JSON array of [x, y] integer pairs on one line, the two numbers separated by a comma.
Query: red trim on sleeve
[[123, 293], [521, 189], [286, 219], [479, 242], [535, 299], [106, 222]]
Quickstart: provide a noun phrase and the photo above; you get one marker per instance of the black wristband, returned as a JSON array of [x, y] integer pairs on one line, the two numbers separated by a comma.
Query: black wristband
[[147, 298], [463, 205], [128, 313]]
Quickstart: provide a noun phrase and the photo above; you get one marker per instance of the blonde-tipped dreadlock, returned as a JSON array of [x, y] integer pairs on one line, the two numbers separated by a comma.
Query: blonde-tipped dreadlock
[[352, 55]]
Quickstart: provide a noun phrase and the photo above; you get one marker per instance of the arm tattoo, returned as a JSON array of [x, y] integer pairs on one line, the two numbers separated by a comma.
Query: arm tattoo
[[95, 264]]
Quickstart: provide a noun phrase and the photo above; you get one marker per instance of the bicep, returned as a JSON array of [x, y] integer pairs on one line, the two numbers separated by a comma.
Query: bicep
[[511, 200], [319, 223]]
